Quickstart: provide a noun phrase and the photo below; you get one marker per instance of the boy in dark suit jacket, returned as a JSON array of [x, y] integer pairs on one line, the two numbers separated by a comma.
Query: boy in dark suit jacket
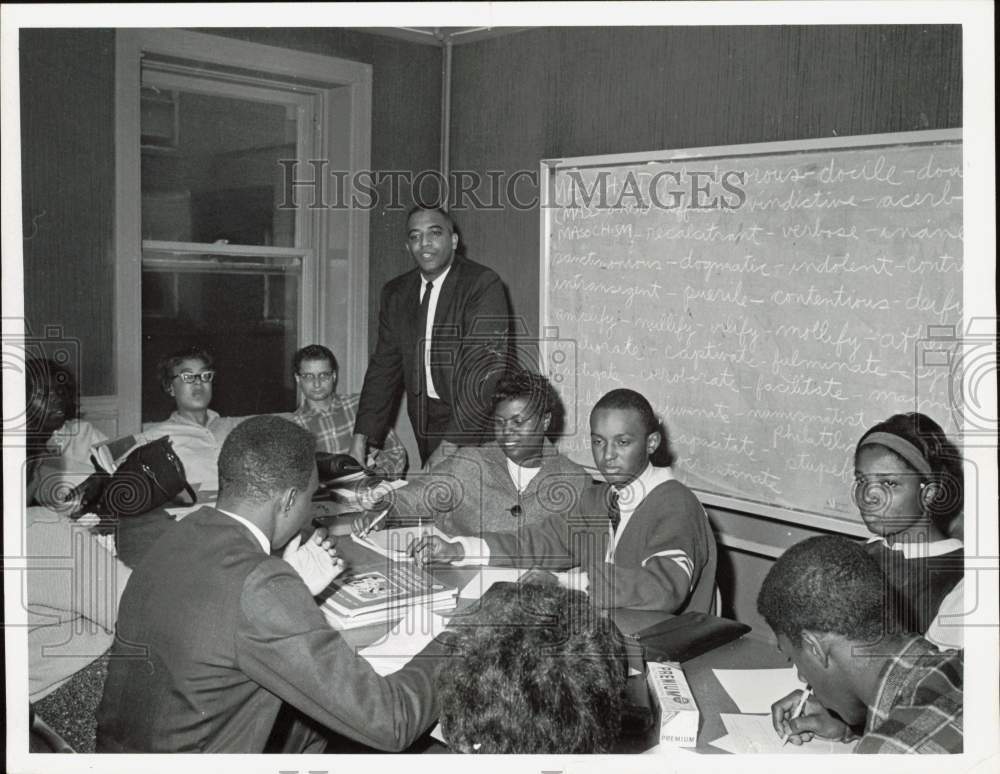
[[214, 632]]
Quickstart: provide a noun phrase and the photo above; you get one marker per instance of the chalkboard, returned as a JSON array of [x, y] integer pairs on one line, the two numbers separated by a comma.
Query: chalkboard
[[772, 301]]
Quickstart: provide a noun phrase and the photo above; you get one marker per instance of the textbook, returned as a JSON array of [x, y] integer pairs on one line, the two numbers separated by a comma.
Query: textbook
[[380, 594]]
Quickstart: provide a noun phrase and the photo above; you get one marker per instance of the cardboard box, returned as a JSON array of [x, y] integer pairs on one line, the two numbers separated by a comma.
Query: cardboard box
[[677, 711]]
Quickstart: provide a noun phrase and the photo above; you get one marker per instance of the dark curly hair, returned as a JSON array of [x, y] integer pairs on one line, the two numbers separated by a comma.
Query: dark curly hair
[[535, 670], [166, 365], [825, 584], [521, 383], [942, 458]]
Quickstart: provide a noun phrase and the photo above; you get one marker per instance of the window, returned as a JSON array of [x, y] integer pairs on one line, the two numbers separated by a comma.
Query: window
[[223, 250], [230, 256]]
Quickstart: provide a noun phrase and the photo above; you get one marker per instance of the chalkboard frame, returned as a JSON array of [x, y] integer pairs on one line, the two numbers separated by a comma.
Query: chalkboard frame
[[548, 168]]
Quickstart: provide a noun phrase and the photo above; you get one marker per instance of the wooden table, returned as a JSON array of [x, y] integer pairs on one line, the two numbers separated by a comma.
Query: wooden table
[[751, 651], [748, 652]]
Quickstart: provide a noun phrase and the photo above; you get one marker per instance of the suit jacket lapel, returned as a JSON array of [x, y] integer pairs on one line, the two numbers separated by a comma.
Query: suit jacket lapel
[[446, 296]]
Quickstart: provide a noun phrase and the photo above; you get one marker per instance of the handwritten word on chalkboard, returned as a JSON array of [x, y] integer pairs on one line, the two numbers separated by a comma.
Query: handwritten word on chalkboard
[[771, 310]]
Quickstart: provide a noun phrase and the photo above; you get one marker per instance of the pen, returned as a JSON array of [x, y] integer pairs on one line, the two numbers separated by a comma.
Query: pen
[[375, 522], [798, 711]]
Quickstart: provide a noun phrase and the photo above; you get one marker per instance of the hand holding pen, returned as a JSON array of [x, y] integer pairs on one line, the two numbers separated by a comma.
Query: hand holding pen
[[798, 717], [796, 714]]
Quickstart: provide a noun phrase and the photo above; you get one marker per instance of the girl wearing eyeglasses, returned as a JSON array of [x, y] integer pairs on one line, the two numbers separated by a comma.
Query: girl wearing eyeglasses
[[908, 487], [518, 479], [196, 431]]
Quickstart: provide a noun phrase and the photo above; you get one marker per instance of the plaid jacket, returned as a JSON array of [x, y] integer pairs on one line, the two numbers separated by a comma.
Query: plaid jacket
[[918, 707], [333, 429]]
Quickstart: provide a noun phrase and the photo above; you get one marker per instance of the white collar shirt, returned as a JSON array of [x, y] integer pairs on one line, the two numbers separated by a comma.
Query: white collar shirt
[[920, 549], [630, 497], [254, 529], [428, 328]]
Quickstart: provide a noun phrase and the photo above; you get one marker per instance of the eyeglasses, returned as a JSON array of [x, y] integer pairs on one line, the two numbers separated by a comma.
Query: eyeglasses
[[190, 378], [322, 376]]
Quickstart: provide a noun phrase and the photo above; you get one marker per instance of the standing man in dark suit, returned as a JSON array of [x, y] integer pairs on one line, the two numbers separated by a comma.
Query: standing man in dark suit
[[215, 632], [443, 338]]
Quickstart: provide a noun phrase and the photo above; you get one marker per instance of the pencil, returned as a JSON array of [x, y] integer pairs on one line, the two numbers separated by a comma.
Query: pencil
[[798, 711], [376, 522]]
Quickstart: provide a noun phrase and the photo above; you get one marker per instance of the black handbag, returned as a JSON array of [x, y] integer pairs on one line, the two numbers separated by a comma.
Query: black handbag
[[332, 467], [150, 476]]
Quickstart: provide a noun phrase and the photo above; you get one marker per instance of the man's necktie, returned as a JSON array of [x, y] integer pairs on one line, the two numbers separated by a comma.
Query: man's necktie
[[425, 304], [614, 513]]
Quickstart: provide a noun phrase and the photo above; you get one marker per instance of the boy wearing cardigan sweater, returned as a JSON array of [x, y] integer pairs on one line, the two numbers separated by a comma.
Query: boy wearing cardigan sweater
[[641, 540]]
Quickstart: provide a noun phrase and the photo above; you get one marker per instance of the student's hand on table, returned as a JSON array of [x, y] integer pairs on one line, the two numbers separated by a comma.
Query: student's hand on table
[[368, 521], [316, 560], [433, 550], [814, 720]]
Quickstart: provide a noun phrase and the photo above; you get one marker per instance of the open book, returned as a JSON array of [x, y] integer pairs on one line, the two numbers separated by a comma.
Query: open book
[[394, 543], [107, 456]]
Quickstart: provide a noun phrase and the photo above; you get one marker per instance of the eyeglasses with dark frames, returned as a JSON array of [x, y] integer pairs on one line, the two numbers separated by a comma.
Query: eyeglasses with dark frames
[[190, 378]]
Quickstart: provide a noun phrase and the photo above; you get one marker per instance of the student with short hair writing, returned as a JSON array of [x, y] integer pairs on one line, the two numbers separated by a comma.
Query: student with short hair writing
[[824, 599], [641, 540]]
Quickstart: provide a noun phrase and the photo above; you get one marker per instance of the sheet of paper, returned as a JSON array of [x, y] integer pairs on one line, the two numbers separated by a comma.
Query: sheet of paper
[[352, 495], [755, 690], [406, 639], [755, 734], [486, 577], [394, 542]]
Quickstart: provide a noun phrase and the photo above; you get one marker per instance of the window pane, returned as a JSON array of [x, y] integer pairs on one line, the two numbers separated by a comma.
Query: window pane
[[210, 169], [248, 320]]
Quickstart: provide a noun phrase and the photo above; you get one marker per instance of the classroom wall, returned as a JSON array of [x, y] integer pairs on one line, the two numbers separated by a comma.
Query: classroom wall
[[67, 171], [554, 93], [406, 126], [67, 137]]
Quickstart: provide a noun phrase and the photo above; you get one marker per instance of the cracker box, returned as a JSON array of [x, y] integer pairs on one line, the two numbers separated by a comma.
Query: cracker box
[[674, 703]]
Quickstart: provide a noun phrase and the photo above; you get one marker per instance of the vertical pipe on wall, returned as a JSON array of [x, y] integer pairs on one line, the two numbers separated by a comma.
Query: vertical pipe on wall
[[446, 115]]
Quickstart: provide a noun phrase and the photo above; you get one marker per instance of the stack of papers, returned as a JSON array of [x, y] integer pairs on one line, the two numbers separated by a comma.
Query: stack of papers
[[755, 734], [754, 691], [380, 595]]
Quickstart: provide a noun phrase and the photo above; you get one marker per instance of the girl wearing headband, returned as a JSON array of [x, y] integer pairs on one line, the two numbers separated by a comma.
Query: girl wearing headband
[[908, 487]]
